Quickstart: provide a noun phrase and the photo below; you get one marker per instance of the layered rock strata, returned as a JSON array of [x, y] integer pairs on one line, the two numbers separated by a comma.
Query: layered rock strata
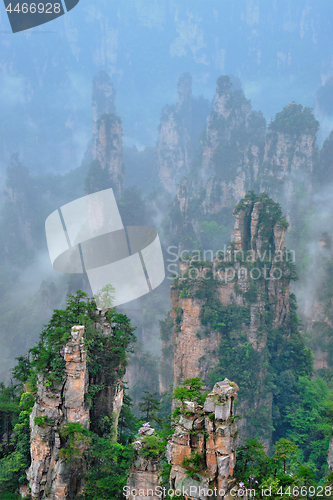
[[202, 450]]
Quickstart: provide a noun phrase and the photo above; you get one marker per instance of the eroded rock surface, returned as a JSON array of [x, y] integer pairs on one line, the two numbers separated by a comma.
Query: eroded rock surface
[[208, 433], [259, 248], [50, 476]]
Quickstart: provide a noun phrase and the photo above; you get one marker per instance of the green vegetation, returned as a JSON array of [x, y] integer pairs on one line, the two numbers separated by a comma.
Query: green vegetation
[[73, 435], [295, 120], [106, 362], [193, 465], [149, 406]]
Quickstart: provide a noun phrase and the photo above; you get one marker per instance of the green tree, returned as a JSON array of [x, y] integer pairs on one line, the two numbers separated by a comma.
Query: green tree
[[252, 462], [285, 450], [149, 405], [191, 389]]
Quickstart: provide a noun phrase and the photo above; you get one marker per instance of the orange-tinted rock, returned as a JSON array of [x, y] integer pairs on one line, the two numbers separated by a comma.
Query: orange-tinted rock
[[216, 446], [259, 238], [49, 475]]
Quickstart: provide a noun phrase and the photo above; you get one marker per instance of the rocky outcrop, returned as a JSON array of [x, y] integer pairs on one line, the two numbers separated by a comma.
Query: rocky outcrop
[[108, 150], [228, 165], [202, 450], [103, 97], [145, 472], [50, 476], [179, 134], [289, 157], [252, 277], [62, 414]]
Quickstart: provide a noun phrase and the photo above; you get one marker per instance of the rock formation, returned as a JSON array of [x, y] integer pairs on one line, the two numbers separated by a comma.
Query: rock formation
[[179, 134], [248, 286], [108, 150], [50, 476], [289, 157], [103, 97], [105, 150], [319, 309], [228, 165], [202, 450], [145, 472]]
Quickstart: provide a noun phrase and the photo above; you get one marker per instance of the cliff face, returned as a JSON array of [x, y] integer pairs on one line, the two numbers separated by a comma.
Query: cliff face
[[239, 155], [228, 165], [54, 473], [50, 476], [178, 134], [103, 97], [108, 150], [193, 355], [235, 301], [20, 225], [319, 310], [290, 155], [202, 450]]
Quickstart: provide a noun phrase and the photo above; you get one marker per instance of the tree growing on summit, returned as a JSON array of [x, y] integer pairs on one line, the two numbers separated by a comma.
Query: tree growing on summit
[[191, 389]]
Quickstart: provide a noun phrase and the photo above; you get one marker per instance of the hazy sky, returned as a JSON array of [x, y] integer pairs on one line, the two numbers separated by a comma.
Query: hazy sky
[[281, 50]]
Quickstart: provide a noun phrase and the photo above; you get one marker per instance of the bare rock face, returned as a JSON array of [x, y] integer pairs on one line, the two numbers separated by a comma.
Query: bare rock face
[[109, 150], [289, 155], [103, 97], [202, 450], [50, 476], [179, 132], [143, 478], [174, 141], [232, 147]]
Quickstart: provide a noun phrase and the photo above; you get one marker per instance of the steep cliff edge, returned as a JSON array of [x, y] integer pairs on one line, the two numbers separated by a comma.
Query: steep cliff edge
[[233, 313]]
